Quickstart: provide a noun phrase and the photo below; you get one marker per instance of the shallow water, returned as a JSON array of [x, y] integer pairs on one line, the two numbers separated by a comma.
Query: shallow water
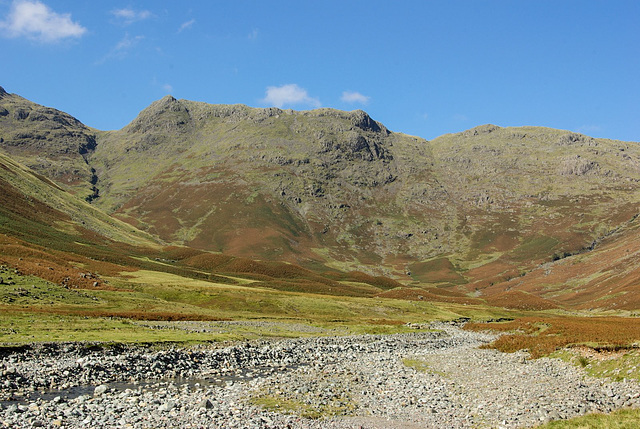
[[240, 376]]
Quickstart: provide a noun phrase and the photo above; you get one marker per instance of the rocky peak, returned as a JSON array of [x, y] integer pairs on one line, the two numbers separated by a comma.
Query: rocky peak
[[362, 120], [2, 92], [481, 129], [167, 114]]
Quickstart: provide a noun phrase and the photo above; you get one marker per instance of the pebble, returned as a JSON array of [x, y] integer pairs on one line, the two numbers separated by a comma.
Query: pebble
[[345, 381]]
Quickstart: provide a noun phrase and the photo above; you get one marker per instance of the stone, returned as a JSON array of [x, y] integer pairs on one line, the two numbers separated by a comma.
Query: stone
[[167, 406], [100, 390], [206, 404]]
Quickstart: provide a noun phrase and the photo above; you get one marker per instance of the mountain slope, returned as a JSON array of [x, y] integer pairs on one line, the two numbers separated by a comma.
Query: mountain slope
[[261, 183], [530, 195], [338, 188], [50, 233], [468, 217], [50, 141]]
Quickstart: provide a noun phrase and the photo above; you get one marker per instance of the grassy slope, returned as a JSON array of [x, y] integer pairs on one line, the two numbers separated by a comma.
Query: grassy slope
[[65, 275], [62, 211], [603, 278]]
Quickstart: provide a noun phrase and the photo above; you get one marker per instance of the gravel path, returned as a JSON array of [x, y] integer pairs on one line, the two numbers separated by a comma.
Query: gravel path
[[419, 380]]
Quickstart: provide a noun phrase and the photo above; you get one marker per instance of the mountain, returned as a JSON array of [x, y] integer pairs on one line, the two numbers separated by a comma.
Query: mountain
[[49, 141], [50, 233], [476, 214]]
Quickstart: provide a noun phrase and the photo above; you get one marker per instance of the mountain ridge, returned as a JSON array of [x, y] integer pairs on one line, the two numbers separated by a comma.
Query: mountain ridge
[[338, 189]]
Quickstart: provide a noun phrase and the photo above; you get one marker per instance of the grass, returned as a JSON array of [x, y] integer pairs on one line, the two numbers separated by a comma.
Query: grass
[[614, 365], [291, 406], [421, 365], [36, 310], [622, 419]]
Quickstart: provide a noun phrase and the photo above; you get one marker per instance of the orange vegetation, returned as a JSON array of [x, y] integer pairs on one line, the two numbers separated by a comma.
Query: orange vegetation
[[543, 335]]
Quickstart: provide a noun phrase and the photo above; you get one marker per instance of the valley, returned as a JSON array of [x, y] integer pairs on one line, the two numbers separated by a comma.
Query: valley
[[206, 227]]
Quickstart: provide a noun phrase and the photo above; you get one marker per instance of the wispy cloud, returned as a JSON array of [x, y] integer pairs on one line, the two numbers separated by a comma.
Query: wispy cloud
[[168, 88], [36, 21], [186, 25], [129, 16], [121, 49], [588, 129], [289, 94], [354, 97], [253, 35]]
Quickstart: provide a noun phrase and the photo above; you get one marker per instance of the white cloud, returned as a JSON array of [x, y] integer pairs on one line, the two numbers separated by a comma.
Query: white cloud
[[354, 97], [127, 43], [129, 16], [168, 88], [587, 129], [279, 96], [253, 35], [36, 21], [121, 49], [186, 25]]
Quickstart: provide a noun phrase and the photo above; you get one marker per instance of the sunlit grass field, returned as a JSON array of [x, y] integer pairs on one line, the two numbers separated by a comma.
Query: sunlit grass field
[[36, 310]]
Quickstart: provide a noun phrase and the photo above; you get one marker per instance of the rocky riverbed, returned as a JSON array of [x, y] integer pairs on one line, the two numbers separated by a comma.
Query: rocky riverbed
[[420, 380]]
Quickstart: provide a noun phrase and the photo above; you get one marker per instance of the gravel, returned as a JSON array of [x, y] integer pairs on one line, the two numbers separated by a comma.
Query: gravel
[[419, 380]]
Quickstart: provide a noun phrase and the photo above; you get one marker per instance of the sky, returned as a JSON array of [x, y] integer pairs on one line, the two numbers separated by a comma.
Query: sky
[[422, 67]]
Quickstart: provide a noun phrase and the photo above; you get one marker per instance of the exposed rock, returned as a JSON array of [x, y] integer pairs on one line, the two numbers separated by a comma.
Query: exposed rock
[[165, 115], [482, 129], [21, 114], [362, 120], [576, 166], [574, 138]]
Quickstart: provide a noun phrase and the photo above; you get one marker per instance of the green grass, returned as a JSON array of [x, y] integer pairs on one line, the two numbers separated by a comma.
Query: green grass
[[291, 406], [421, 365], [26, 327], [616, 366], [622, 419], [36, 310]]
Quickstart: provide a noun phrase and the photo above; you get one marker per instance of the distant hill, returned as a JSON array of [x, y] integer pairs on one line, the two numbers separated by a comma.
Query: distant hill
[[478, 212]]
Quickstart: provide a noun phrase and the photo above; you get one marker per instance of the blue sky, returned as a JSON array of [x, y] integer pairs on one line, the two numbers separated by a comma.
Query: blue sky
[[420, 67]]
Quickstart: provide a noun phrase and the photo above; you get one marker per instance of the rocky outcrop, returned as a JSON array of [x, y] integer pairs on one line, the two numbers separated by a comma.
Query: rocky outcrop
[[577, 166]]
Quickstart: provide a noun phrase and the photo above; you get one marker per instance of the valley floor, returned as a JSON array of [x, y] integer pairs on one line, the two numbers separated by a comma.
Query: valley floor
[[432, 378]]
